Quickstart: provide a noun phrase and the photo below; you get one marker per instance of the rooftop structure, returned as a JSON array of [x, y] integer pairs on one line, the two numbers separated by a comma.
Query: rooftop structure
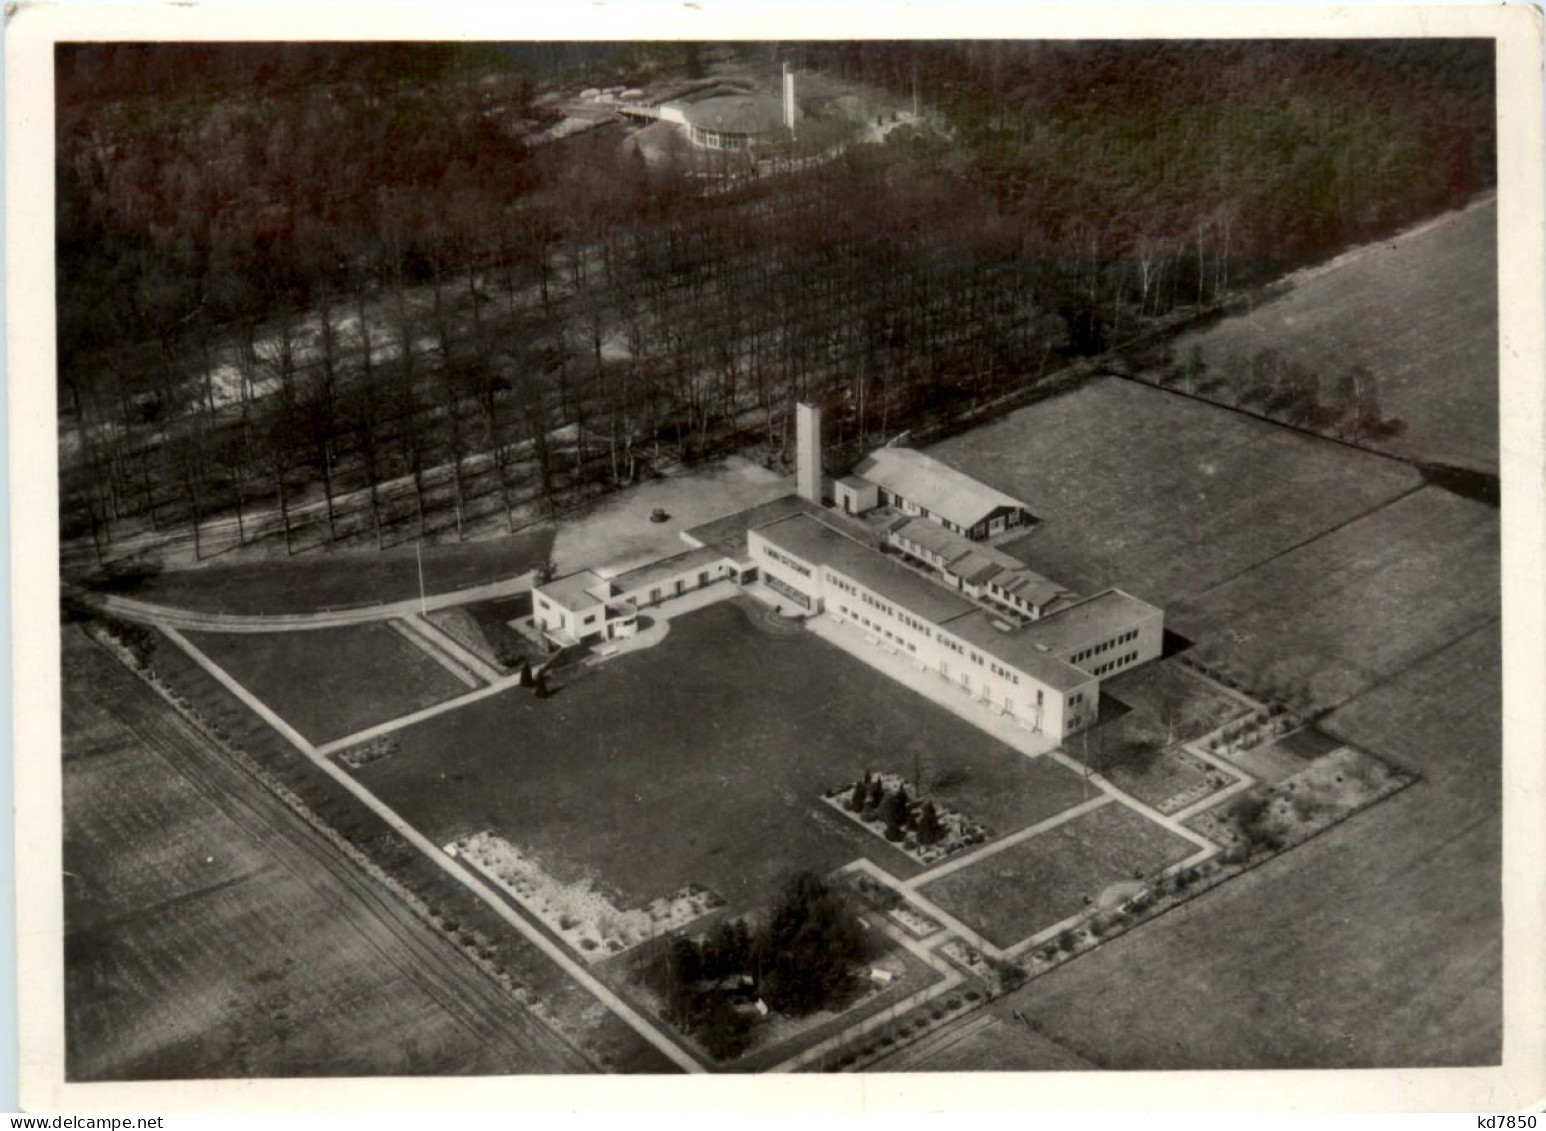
[[980, 570], [920, 485], [1091, 622], [811, 540], [728, 534]]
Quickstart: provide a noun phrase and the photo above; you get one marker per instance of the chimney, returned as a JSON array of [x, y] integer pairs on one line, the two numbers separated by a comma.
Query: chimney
[[808, 452], [790, 110]]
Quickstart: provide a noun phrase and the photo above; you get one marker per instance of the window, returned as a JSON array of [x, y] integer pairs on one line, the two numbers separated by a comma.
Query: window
[[591, 619]]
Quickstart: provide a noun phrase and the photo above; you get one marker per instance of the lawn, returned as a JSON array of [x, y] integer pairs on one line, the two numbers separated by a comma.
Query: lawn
[[1028, 887], [346, 579], [1162, 495], [332, 682], [1377, 944], [1420, 312], [1145, 714], [1318, 625], [701, 760]]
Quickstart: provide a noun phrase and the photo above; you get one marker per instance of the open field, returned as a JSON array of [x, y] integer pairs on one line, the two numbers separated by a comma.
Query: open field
[[701, 760], [1162, 495], [332, 682], [1329, 619], [1377, 944], [985, 1042], [239, 943], [1027, 888], [1419, 312], [339, 580]]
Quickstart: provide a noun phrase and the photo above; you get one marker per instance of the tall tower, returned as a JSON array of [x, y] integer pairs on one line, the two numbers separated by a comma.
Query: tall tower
[[808, 452], [791, 111]]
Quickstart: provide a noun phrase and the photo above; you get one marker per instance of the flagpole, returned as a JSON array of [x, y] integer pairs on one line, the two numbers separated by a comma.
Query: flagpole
[[418, 553]]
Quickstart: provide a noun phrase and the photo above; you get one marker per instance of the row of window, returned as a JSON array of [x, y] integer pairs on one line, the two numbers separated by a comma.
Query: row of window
[[784, 559], [880, 629], [1106, 647], [1112, 665], [1005, 673]]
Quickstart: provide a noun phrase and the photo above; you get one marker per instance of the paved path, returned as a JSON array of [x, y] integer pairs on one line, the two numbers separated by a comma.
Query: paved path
[[553, 950], [931, 686], [438, 639], [149, 612]]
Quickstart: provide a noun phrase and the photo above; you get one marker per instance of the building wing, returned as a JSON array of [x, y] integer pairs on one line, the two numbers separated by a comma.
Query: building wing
[[934, 486]]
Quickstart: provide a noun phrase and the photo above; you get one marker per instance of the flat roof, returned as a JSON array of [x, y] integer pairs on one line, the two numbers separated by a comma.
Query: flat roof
[[665, 568], [728, 534], [813, 541], [1018, 649], [573, 592], [1090, 621], [935, 486], [978, 564], [736, 113]]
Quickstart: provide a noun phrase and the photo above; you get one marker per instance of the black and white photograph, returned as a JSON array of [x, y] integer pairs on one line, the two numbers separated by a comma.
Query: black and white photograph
[[781, 554]]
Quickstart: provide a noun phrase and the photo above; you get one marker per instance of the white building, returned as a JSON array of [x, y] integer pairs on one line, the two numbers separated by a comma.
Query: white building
[[921, 486], [587, 608], [1015, 640], [1045, 674]]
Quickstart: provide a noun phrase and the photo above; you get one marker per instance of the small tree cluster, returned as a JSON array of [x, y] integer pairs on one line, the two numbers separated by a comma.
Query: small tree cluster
[[802, 960]]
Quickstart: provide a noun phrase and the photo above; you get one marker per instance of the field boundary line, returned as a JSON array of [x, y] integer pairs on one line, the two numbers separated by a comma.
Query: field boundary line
[[552, 950], [1316, 537]]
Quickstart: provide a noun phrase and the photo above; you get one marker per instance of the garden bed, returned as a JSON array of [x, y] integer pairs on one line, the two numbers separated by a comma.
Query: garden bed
[[364, 753], [1273, 818], [582, 916], [954, 830]]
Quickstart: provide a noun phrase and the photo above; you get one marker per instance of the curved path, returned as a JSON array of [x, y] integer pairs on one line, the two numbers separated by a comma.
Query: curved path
[[148, 612]]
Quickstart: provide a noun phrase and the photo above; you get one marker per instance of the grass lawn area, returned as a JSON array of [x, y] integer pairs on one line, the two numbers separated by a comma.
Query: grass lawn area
[[1028, 887], [1156, 776], [1420, 312], [1145, 714], [345, 579], [701, 760], [1377, 944], [1318, 625], [1162, 495], [332, 682]]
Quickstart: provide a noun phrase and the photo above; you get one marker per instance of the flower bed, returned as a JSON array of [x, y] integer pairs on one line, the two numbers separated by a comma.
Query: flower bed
[[364, 753], [956, 831], [583, 917]]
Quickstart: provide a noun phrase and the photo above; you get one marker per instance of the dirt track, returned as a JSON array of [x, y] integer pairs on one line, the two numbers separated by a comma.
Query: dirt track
[[514, 1040]]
